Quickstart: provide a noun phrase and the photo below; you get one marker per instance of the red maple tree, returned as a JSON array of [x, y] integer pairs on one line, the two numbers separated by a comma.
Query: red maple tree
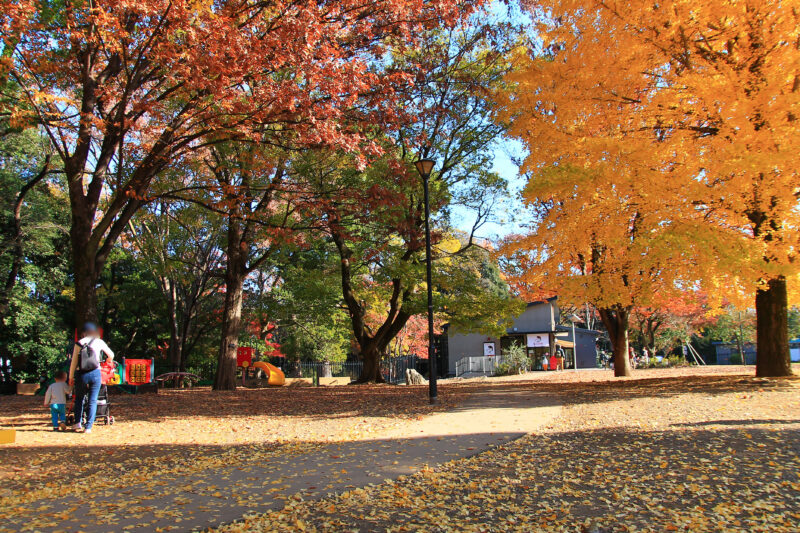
[[123, 89]]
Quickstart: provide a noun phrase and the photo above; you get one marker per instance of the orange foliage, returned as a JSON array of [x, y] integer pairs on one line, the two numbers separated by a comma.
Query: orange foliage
[[664, 152]]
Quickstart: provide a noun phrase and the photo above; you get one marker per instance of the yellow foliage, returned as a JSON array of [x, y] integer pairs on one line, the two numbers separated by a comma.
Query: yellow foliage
[[663, 145]]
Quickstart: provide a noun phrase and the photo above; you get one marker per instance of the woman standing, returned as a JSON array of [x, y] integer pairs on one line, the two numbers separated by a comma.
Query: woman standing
[[84, 374]]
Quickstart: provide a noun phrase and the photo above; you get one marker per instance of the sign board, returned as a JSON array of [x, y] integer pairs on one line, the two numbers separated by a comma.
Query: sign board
[[562, 334], [489, 349], [538, 340]]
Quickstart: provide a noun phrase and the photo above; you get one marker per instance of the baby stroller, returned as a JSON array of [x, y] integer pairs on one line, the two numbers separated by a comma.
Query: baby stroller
[[107, 371]]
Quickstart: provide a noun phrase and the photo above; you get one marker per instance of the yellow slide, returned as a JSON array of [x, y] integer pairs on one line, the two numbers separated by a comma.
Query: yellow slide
[[274, 374]]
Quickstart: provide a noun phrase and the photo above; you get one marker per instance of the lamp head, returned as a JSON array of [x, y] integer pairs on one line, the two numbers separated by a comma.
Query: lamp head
[[425, 166]]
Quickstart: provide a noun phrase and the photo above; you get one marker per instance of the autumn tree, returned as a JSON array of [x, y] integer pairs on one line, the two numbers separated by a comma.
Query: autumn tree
[[375, 216], [124, 89], [180, 243], [671, 323], [737, 326], [244, 185], [698, 103], [594, 237]]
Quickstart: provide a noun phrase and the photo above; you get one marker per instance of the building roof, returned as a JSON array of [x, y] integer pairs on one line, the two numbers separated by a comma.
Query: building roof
[[545, 301], [560, 327]]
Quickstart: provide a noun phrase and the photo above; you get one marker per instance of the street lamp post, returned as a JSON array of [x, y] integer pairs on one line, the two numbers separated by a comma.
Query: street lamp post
[[424, 167], [574, 319]]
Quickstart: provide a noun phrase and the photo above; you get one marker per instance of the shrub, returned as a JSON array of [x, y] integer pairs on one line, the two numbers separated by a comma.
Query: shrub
[[503, 369], [515, 360], [676, 360]]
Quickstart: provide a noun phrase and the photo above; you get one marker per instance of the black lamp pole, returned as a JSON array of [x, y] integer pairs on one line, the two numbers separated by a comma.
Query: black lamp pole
[[424, 167]]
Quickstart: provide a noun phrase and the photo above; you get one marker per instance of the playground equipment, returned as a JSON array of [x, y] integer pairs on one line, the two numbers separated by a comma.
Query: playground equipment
[[262, 374], [258, 374], [178, 377], [138, 371], [110, 373]]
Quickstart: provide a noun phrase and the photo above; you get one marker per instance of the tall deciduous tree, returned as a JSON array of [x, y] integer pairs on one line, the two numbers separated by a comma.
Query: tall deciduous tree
[[699, 101], [595, 237], [375, 217], [124, 88], [180, 245], [245, 184]]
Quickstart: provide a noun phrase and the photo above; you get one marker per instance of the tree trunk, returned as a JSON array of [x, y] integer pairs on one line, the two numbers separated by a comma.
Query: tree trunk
[[739, 346], [371, 373], [225, 378], [186, 333], [175, 343], [372, 346], [175, 334], [85, 278], [652, 338], [772, 330], [616, 322]]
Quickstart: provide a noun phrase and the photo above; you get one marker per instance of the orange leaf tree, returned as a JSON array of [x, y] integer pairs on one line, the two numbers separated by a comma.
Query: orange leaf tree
[[598, 237], [692, 105], [124, 88]]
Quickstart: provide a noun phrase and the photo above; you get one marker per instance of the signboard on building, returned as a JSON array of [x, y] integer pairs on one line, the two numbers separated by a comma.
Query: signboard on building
[[488, 349], [538, 340]]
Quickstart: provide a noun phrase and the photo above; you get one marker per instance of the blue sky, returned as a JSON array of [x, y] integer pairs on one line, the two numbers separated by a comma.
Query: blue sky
[[507, 214]]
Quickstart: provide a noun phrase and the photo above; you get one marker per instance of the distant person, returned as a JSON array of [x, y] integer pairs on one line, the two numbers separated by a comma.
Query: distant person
[[645, 357], [544, 362], [84, 373], [632, 356], [56, 399], [558, 360]]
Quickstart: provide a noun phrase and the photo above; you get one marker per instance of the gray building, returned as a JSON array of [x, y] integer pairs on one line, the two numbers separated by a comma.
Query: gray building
[[537, 329]]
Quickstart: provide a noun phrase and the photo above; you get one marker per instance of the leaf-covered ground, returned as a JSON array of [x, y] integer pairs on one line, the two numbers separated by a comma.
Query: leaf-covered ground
[[179, 425], [687, 449], [708, 453]]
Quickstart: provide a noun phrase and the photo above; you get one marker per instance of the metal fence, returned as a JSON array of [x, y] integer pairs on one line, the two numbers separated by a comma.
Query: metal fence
[[393, 370], [351, 369], [478, 365]]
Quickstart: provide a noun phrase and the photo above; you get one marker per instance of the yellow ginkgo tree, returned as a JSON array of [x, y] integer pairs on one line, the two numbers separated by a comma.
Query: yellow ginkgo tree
[[683, 113]]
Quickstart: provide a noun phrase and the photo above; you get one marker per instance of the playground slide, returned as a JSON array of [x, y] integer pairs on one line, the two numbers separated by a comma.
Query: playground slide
[[274, 374]]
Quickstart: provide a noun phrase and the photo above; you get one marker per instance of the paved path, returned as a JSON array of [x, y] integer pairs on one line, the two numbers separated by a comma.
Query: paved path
[[209, 496]]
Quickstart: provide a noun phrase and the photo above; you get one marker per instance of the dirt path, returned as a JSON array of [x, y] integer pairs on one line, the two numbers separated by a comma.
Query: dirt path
[[222, 486]]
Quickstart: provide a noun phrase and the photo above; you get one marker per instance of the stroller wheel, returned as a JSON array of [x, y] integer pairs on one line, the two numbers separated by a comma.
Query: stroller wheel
[[110, 420], [70, 419]]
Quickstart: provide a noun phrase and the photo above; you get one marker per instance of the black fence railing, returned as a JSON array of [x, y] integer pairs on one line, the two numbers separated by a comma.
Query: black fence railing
[[393, 369]]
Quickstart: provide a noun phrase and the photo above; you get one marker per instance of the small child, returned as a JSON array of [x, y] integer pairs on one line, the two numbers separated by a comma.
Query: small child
[[56, 398]]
